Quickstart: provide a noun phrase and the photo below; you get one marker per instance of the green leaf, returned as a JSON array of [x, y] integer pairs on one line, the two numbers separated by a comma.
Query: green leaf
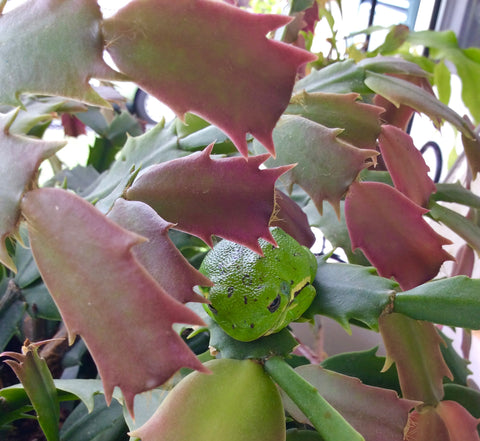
[[346, 76], [15, 404], [350, 292], [61, 41], [104, 423], [442, 77], [27, 271], [157, 145], [40, 302], [326, 165], [459, 224], [104, 150], [85, 390], [444, 45], [360, 121], [327, 420], [456, 192], [335, 230], [400, 91], [453, 301], [300, 5], [395, 38], [12, 311], [456, 363], [467, 64], [280, 343], [341, 77], [303, 435], [42, 110], [21, 157], [37, 380], [366, 366], [202, 138]]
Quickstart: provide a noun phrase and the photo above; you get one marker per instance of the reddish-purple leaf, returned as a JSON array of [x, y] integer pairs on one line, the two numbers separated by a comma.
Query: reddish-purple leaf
[[209, 58], [291, 219], [228, 197], [105, 295], [398, 116], [390, 230], [464, 261], [448, 421], [426, 426], [72, 126], [21, 157], [414, 347], [406, 165], [159, 255], [326, 165], [366, 408], [461, 425]]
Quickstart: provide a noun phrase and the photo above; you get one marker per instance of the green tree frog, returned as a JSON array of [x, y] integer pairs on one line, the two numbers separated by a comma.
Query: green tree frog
[[254, 296]]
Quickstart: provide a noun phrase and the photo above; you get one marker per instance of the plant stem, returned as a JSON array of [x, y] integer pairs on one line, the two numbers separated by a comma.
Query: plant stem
[[326, 420]]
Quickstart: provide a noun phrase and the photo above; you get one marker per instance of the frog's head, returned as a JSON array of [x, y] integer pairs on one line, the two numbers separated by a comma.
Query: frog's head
[[254, 296]]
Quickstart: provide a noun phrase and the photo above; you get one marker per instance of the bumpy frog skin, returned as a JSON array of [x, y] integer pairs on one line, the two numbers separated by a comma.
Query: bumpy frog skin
[[254, 296]]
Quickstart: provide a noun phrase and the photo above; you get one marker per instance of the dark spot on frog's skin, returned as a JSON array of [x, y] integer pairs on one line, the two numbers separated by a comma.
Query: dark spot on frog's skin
[[246, 279], [230, 291], [275, 304], [213, 309], [295, 294], [252, 325], [245, 299]]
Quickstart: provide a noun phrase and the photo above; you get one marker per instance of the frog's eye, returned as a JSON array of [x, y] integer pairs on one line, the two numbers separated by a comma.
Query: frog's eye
[[275, 304]]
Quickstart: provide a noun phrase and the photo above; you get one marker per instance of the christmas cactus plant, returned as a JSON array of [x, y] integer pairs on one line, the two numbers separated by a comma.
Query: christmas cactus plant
[[151, 293]]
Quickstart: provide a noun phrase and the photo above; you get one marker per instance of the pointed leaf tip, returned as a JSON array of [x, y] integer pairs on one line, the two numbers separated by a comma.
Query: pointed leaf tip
[[100, 280], [21, 158], [228, 197], [326, 165], [216, 83], [64, 39], [406, 165], [159, 255]]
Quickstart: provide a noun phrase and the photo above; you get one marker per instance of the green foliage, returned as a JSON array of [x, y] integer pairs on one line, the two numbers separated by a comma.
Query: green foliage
[[107, 253]]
